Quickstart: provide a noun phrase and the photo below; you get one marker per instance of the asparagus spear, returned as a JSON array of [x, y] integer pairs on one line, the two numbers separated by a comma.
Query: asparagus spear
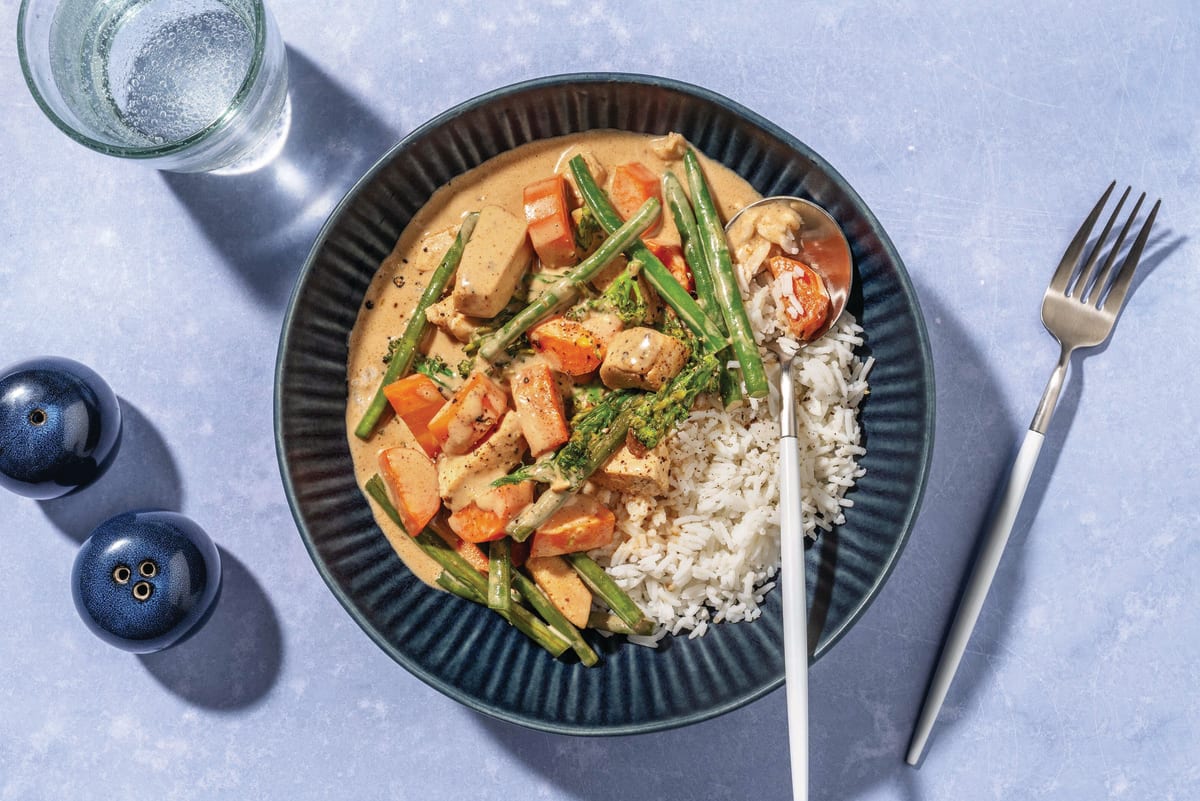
[[449, 583], [653, 416], [402, 351], [499, 576], [597, 436], [565, 289], [533, 596], [716, 250], [607, 590], [693, 253], [457, 567], [655, 271], [522, 619]]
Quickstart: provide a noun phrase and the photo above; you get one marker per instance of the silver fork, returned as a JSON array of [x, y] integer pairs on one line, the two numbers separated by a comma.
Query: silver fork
[[1080, 308]]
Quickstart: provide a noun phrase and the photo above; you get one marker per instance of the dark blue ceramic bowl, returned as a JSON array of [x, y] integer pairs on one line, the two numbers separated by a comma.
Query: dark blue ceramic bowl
[[459, 648], [60, 427], [144, 581]]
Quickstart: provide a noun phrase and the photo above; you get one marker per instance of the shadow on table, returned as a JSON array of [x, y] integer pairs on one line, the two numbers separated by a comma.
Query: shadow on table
[[143, 475], [264, 222], [863, 700], [234, 660]]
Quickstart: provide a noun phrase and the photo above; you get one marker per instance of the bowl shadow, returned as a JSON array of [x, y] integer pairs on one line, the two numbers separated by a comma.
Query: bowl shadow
[[234, 660], [263, 222], [143, 475]]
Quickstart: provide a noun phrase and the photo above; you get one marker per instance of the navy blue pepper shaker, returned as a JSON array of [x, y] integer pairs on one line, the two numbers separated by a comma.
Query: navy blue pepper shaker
[[144, 581], [60, 427]]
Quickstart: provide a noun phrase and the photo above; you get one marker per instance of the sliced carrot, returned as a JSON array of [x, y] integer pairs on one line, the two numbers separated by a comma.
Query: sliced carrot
[[632, 185], [807, 305], [563, 587], [484, 520], [539, 407], [549, 221], [468, 417], [671, 255], [415, 399], [581, 525], [411, 479], [567, 345], [474, 555]]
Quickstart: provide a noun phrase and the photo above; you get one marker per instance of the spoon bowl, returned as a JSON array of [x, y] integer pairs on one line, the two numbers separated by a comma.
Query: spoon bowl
[[823, 247]]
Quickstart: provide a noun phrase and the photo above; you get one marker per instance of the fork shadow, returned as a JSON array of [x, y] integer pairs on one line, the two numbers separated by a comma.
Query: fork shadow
[[263, 222], [864, 694]]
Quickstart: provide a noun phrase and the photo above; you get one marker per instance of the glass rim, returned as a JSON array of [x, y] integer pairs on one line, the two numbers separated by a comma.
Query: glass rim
[[148, 151]]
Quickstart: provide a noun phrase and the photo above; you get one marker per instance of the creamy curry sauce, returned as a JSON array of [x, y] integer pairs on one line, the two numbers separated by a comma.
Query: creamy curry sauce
[[397, 286]]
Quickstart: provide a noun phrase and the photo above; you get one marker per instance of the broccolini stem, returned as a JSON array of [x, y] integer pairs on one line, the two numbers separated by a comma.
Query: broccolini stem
[[558, 622], [653, 416], [538, 512], [607, 590], [520, 617], [565, 289], [716, 251], [466, 576], [499, 582]]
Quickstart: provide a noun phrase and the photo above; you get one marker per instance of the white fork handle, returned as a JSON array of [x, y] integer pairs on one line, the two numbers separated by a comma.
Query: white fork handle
[[977, 588], [795, 613]]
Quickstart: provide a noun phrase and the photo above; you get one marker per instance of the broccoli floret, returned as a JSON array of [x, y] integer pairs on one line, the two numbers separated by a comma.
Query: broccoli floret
[[588, 231], [657, 414], [435, 368]]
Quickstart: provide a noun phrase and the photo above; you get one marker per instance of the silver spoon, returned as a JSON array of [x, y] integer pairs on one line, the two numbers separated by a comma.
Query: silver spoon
[[823, 247]]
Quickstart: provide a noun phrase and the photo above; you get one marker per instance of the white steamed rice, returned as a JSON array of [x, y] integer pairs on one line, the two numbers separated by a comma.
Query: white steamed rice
[[708, 552]]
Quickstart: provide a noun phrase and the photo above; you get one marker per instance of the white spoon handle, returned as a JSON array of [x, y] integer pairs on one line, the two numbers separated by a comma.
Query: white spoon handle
[[795, 613]]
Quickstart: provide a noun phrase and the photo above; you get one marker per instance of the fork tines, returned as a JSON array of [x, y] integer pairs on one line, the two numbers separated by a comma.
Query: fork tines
[[1103, 285]]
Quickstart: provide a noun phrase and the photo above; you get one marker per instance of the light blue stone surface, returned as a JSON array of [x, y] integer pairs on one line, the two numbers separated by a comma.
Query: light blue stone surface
[[980, 135]]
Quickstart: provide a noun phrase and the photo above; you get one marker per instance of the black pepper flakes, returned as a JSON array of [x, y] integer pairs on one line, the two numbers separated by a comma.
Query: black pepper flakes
[[398, 281], [370, 304]]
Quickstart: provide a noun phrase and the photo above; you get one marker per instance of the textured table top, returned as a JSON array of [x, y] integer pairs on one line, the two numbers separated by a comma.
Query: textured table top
[[980, 137]]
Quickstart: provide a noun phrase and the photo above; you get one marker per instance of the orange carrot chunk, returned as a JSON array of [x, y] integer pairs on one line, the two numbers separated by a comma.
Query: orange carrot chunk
[[475, 557], [468, 417], [549, 221], [567, 345], [632, 185], [581, 525], [806, 306], [416, 400], [411, 479], [539, 407], [484, 520]]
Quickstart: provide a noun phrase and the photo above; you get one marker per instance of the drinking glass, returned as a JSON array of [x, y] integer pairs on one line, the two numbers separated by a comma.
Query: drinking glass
[[182, 85]]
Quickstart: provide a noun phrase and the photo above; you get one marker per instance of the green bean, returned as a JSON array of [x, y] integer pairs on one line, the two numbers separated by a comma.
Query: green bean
[[566, 288], [655, 271], [729, 297], [403, 350]]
